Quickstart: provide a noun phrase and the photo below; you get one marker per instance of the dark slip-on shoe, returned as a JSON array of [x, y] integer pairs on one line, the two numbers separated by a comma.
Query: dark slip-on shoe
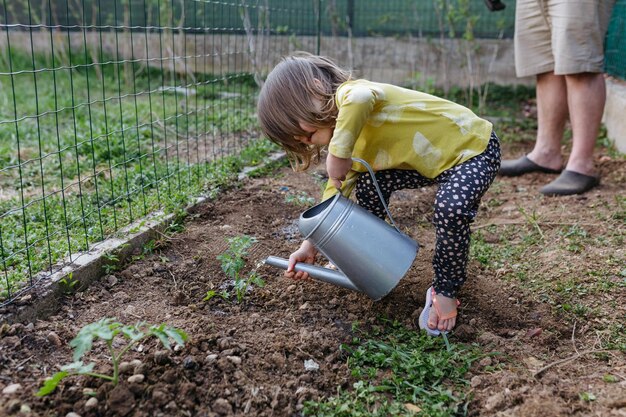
[[570, 183], [521, 166], [495, 5]]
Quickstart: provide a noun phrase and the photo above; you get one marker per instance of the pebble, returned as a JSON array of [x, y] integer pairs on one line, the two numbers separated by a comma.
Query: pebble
[[12, 406], [162, 357], [11, 389], [234, 359], [136, 379], [111, 280], [54, 339], [91, 403], [210, 358], [72, 414], [190, 363], [484, 362], [126, 368], [222, 407], [311, 365]]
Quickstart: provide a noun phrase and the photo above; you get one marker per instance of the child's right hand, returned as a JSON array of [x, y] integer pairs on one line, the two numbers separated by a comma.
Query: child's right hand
[[306, 253], [337, 169]]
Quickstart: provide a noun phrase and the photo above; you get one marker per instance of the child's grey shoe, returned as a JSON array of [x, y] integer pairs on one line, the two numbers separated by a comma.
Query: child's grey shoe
[[570, 183], [423, 319]]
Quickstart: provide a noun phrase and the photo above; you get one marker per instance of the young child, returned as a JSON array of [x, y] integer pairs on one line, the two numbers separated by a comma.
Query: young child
[[410, 139]]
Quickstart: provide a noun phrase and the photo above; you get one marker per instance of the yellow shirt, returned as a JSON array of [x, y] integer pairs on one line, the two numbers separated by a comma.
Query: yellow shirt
[[392, 127]]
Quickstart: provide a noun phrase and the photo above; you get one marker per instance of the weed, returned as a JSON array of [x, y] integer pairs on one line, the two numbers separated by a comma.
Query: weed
[[210, 294], [112, 263], [68, 283], [400, 372], [233, 261], [108, 330], [299, 199], [587, 396]]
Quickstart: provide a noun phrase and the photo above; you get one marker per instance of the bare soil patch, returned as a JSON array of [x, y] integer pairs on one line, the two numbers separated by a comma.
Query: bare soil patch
[[248, 358]]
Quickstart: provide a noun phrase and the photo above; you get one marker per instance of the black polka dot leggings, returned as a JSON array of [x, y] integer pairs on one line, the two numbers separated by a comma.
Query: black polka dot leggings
[[458, 196]]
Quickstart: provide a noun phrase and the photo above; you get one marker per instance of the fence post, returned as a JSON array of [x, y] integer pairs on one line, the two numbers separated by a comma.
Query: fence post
[[319, 25]]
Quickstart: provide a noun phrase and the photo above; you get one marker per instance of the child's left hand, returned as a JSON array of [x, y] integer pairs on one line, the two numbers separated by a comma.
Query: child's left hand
[[337, 169]]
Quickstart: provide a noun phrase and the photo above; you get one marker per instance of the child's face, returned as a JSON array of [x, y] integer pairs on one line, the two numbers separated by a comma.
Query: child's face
[[315, 136]]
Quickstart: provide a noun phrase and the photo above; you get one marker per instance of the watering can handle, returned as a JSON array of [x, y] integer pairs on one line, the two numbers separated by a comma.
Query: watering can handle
[[380, 194]]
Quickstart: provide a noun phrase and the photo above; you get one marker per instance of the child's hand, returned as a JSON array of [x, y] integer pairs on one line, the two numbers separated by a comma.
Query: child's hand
[[337, 169], [306, 253]]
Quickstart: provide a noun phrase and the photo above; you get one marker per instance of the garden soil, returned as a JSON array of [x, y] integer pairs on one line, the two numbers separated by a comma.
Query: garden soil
[[249, 358]]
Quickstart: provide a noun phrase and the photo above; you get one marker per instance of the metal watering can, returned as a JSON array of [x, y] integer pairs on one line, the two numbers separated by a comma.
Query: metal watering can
[[371, 255]]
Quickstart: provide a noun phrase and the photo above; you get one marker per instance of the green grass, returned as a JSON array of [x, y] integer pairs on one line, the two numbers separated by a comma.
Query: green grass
[[83, 155], [583, 277], [398, 371]]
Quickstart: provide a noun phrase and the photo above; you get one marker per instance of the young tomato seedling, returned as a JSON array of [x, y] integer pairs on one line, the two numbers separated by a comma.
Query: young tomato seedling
[[233, 261], [107, 330]]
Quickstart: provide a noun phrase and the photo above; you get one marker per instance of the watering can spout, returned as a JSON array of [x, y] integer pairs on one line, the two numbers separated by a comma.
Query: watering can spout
[[316, 272]]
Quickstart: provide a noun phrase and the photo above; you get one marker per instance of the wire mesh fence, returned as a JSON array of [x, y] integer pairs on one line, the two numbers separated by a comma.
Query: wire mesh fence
[[109, 111]]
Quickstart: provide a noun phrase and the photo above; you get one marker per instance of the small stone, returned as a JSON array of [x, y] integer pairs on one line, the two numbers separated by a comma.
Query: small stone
[[72, 414], [25, 409], [222, 407], [162, 357], [234, 359], [142, 368], [190, 363], [476, 381], [29, 327], [224, 343], [54, 339], [311, 365], [533, 332], [91, 403], [136, 379], [12, 406], [210, 358], [24, 300], [111, 280], [178, 348], [12, 389], [126, 368], [304, 306], [135, 362], [484, 362]]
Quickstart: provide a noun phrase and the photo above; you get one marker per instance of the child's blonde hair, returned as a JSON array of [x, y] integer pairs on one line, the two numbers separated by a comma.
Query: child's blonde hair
[[291, 94]]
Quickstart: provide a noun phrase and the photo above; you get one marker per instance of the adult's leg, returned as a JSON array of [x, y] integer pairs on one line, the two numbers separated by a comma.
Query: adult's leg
[[552, 113], [586, 95]]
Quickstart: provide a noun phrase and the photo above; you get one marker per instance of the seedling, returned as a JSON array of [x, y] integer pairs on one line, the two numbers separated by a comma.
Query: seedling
[[112, 262], [300, 199], [107, 330], [212, 293], [233, 261], [67, 283]]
